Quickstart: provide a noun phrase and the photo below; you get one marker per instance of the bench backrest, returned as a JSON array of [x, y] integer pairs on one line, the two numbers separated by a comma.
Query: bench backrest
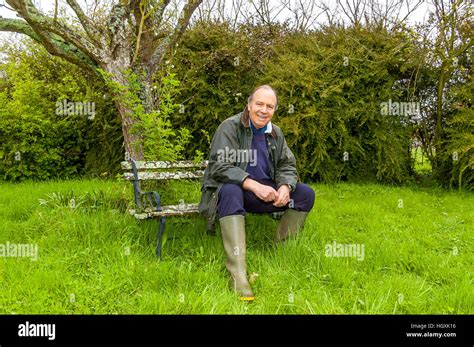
[[137, 171], [162, 170]]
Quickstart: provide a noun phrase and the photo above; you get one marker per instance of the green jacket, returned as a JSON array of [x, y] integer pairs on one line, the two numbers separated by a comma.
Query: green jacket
[[235, 134]]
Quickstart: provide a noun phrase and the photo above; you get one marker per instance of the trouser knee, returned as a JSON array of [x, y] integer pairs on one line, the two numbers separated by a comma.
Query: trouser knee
[[231, 200], [303, 197]]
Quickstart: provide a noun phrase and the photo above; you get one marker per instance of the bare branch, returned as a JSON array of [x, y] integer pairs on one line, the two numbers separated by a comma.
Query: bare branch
[[160, 11], [88, 26], [169, 42], [353, 11], [55, 18]]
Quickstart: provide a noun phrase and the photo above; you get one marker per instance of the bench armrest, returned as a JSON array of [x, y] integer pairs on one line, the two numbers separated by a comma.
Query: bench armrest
[[153, 197]]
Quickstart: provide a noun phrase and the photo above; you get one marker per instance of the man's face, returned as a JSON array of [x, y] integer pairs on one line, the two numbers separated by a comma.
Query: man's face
[[262, 107]]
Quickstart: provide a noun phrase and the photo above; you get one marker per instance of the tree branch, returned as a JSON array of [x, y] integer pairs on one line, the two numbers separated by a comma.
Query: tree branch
[[172, 39], [88, 26], [18, 26], [39, 22], [53, 44], [116, 25], [160, 11]]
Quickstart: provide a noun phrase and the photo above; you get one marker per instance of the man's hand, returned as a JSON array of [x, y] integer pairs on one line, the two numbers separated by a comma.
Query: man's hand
[[263, 192], [283, 196]]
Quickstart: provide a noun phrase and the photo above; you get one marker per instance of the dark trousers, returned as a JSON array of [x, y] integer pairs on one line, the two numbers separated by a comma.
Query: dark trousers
[[234, 200]]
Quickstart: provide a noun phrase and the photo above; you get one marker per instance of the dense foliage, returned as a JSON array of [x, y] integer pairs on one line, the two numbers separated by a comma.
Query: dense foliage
[[40, 138], [330, 90], [334, 87]]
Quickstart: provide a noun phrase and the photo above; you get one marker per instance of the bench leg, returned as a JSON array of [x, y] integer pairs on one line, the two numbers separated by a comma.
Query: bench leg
[[160, 236]]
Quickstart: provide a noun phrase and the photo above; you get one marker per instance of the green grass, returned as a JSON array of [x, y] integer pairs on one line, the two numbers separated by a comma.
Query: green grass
[[422, 163], [95, 259]]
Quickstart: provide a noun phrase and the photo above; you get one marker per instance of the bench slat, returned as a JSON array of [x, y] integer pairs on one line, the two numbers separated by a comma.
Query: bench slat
[[169, 210], [155, 165], [176, 175]]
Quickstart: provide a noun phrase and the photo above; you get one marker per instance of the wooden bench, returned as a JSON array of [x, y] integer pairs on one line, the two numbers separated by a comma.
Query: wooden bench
[[148, 204]]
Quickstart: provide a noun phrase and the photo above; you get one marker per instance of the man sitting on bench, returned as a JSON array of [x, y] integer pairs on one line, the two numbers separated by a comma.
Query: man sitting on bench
[[251, 169]]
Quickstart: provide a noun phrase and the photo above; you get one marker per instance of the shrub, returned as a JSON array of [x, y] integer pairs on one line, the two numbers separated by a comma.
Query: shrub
[[38, 141], [332, 84]]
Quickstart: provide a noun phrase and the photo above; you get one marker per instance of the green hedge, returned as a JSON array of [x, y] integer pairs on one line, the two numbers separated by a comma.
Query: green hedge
[[331, 85], [37, 141], [330, 112]]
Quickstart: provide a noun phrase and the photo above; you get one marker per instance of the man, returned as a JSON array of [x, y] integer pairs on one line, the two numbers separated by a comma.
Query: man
[[251, 169]]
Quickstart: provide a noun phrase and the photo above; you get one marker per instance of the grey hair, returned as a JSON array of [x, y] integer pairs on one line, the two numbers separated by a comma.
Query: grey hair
[[264, 86]]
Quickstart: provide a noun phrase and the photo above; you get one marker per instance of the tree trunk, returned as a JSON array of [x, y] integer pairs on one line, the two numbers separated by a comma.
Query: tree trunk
[[133, 145], [131, 141], [438, 135]]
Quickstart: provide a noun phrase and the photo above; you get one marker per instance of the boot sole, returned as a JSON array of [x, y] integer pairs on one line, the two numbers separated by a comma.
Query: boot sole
[[247, 298]]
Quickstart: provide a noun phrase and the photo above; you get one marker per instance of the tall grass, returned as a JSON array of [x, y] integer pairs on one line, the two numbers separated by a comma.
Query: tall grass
[[96, 259]]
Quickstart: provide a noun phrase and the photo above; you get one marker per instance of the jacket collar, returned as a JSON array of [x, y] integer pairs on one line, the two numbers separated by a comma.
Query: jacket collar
[[268, 128]]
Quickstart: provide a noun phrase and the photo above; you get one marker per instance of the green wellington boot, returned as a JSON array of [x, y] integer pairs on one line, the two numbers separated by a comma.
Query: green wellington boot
[[233, 237], [291, 222]]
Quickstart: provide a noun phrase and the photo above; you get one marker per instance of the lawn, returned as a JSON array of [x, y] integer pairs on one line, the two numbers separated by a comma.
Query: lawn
[[93, 258]]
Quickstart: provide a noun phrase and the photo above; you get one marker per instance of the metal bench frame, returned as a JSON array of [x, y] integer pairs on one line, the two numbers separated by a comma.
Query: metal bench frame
[[157, 211]]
